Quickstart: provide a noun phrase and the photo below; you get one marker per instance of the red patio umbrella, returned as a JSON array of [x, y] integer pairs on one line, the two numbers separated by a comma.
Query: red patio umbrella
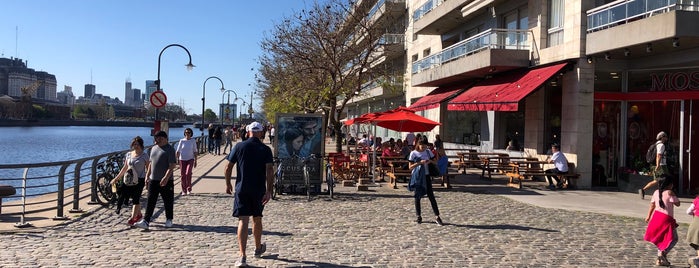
[[365, 118], [405, 121]]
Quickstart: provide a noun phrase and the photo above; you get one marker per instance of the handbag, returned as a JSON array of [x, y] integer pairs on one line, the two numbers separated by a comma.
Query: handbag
[[433, 169], [129, 178]]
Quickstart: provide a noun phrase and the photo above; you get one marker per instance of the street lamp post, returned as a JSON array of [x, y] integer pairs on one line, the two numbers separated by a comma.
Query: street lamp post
[[203, 102], [229, 101], [157, 82]]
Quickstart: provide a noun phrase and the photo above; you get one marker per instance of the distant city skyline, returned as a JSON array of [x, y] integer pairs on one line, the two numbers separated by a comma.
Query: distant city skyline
[[105, 43]]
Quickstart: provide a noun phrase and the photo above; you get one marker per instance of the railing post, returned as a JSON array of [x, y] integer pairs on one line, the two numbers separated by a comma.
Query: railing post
[[22, 223], [76, 189], [93, 182], [61, 194]]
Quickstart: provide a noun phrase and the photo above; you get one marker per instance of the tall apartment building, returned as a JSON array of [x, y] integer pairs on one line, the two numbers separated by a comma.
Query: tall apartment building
[[150, 88], [66, 96], [15, 76], [601, 78], [90, 91], [128, 94]]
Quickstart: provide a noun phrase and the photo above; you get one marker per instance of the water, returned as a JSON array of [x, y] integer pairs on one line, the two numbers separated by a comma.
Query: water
[[25, 145], [21, 145]]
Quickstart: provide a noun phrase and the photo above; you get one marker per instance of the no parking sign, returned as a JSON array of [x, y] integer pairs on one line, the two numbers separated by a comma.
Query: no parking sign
[[158, 99]]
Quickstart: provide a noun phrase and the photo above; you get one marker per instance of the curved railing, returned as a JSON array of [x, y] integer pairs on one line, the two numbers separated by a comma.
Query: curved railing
[[58, 183]]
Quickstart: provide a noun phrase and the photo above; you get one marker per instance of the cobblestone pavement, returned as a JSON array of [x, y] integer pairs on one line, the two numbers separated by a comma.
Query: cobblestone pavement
[[357, 229]]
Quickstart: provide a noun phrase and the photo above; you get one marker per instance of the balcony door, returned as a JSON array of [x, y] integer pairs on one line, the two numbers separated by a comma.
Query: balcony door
[[516, 20]]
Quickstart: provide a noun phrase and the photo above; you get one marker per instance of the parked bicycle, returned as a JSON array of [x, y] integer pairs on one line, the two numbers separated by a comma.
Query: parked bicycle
[[306, 176], [106, 171], [278, 176], [329, 180]]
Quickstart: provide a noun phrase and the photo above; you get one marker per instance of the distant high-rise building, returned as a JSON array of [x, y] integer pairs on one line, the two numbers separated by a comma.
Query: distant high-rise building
[[150, 88], [66, 96], [90, 91], [128, 94], [137, 101]]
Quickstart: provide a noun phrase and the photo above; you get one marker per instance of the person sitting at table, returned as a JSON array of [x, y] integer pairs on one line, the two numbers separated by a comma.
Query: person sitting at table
[[363, 142], [560, 163]]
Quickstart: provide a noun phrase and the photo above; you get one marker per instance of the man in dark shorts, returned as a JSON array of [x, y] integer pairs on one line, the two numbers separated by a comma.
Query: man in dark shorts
[[253, 187]]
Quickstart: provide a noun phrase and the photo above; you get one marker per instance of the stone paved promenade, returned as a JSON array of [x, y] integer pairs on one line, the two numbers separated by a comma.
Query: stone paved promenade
[[487, 225]]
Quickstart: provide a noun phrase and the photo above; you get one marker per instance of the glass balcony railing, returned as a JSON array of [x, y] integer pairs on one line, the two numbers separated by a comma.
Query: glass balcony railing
[[621, 12], [493, 38], [426, 7], [391, 39]]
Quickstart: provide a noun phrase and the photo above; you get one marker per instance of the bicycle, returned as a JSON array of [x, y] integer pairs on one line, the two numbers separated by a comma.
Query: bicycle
[[329, 180], [278, 176], [306, 176], [108, 169]]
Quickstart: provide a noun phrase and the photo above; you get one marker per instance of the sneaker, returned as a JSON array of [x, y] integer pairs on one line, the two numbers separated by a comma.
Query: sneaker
[[143, 224], [642, 193], [183, 193], [168, 223], [552, 187], [439, 222], [259, 251], [241, 262], [419, 220]]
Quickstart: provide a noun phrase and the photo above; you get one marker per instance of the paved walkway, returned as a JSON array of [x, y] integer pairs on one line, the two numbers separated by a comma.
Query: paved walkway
[[487, 225]]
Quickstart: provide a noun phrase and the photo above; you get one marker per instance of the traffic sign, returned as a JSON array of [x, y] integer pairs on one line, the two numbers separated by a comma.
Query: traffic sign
[[158, 99]]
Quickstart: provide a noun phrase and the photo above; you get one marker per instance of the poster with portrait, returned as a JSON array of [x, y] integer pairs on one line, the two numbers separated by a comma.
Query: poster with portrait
[[298, 137]]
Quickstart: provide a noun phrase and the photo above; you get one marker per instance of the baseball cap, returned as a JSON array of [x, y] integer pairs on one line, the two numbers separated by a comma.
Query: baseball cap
[[660, 135], [161, 134], [254, 127]]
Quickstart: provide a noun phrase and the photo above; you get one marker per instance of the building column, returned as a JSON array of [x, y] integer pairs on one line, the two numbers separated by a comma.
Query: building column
[[577, 119]]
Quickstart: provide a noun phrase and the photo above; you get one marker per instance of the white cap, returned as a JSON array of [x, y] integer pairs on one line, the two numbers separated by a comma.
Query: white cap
[[254, 127]]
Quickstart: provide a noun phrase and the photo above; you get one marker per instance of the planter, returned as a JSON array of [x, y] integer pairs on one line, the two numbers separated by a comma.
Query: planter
[[632, 182]]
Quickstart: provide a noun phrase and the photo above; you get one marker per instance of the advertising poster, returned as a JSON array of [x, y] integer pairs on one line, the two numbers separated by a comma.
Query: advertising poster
[[298, 137]]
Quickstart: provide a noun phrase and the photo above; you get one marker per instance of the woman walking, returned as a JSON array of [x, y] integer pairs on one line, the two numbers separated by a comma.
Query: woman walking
[[662, 227], [420, 181], [136, 162], [187, 156]]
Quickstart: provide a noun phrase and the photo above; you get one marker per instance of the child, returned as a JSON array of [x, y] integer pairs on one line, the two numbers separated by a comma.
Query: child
[[693, 232], [662, 228], [443, 165]]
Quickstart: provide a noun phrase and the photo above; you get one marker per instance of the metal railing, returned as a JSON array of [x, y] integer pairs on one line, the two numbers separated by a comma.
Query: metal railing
[[378, 6], [425, 8], [624, 11], [490, 39], [59, 181], [392, 39]]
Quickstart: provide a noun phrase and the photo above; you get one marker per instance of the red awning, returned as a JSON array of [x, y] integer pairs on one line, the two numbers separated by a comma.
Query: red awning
[[432, 99], [503, 93]]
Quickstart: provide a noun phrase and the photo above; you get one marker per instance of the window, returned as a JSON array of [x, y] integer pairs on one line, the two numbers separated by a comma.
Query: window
[[516, 20], [426, 52], [555, 30], [413, 58]]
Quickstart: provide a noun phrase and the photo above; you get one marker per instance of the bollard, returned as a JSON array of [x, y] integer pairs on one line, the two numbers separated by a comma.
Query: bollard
[[22, 223]]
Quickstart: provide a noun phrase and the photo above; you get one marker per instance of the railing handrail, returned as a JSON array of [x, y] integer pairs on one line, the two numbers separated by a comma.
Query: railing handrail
[[438, 58], [610, 20], [425, 8]]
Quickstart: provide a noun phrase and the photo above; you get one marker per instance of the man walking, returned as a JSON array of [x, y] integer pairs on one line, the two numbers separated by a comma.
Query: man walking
[[253, 187], [159, 179]]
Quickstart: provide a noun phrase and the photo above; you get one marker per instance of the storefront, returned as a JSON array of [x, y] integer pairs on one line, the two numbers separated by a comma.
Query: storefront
[[630, 108]]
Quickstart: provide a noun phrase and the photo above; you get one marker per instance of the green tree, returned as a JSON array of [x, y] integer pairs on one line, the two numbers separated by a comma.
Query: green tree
[[210, 116]]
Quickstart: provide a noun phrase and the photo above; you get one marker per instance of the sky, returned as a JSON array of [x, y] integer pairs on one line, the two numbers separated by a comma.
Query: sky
[[106, 43]]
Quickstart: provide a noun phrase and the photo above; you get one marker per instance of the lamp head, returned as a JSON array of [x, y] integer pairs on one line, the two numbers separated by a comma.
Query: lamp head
[[223, 90], [190, 66]]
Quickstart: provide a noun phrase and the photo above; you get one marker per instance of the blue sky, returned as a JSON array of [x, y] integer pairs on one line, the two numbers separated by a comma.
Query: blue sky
[[107, 42]]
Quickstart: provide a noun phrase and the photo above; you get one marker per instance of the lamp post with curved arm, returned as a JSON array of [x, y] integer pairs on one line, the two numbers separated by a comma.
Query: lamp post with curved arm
[[157, 82], [203, 100], [229, 101]]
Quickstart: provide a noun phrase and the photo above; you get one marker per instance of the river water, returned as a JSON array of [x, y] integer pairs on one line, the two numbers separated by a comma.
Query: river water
[[21, 145], [25, 145]]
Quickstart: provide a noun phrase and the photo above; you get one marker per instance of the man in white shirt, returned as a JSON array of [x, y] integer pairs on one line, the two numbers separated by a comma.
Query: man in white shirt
[[560, 166]]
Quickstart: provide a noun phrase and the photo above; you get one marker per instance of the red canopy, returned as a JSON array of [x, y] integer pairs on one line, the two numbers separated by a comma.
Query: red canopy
[[404, 120], [363, 118]]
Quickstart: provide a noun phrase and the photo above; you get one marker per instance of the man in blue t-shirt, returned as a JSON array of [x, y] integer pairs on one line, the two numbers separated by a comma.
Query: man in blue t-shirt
[[253, 186]]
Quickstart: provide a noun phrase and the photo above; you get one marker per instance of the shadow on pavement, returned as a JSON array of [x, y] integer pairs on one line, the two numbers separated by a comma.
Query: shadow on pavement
[[295, 263], [509, 227]]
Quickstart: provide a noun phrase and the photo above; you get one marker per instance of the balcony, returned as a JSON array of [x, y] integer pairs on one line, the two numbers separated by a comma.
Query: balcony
[[438, 16], [380, 88], [490, 51], [394, 8], [631, 23]]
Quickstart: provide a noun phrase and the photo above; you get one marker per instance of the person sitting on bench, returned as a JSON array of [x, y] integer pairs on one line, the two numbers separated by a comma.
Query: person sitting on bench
[[560, 166]]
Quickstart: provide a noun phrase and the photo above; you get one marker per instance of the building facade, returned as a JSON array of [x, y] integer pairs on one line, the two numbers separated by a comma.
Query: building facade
[[600, 78], [17, 79]]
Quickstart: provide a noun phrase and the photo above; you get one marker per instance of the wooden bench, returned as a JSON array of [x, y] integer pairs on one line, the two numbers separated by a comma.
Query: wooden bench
[[396, 171], [6, 191], [566, 178]]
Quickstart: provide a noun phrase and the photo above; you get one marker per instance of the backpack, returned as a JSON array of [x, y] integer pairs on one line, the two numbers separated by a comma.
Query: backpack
[[652, 153], [130, 179]]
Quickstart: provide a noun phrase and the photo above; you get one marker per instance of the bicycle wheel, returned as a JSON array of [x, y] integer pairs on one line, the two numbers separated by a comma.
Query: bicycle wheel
[[330, 181], [306, 180], [104, 187], [277, 189]]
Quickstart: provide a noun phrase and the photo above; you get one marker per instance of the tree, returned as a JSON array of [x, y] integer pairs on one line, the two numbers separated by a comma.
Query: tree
[[317, 59], [210, 116]]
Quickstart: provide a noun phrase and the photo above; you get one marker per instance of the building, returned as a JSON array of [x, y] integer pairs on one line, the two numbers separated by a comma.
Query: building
[[128, 94], [137, 100], [66, 96], [600, 78], [16, 79], [90, 91], [228, 111], [150, 88]]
